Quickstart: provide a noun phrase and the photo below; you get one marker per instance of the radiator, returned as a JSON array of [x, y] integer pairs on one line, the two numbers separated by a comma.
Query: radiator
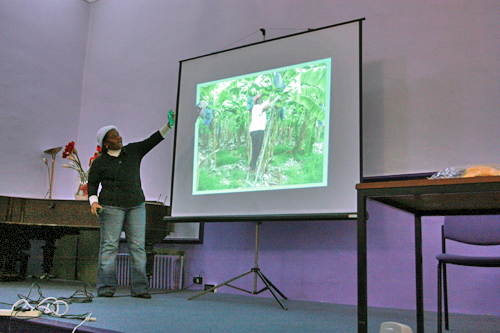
[[167, 271]]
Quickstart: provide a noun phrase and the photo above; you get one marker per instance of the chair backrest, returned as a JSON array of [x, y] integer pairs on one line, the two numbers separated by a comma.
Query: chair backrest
[[480, 230]]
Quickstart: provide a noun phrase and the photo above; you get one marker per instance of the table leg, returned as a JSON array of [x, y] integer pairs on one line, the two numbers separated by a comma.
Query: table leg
[[362, 266], [419, 274]]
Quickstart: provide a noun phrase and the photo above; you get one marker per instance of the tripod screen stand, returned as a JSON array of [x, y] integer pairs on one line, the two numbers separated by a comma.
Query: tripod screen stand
[[257, 274], [258, 221]]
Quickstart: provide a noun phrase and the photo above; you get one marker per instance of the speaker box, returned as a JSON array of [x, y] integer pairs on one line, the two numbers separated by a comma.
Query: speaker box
[[392, 327]]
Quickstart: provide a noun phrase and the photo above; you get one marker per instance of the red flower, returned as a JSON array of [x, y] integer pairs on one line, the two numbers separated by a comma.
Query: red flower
[[68, 150], [97, 153], [83, 188]]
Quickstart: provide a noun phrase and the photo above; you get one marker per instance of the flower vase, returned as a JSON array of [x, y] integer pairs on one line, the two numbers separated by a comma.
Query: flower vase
[[81, 190]]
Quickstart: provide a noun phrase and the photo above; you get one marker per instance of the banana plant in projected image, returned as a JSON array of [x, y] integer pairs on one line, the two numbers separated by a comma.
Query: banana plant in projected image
[[294, 149]]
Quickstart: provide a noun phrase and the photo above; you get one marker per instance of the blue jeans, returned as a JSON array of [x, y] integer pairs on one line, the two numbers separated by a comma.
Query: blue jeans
[[114, 220]]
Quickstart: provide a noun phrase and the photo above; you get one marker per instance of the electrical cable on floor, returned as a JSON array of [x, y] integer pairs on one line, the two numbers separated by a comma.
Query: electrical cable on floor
[[40, 297], [49, 306], [88, 318], [80, 296], [27, 308]]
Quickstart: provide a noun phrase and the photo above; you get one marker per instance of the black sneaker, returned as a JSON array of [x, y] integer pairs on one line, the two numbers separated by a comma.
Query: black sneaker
[[143, 295], [106, 294]]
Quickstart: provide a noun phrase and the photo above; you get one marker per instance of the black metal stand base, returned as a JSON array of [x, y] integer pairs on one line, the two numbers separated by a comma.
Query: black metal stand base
[[257, 274]]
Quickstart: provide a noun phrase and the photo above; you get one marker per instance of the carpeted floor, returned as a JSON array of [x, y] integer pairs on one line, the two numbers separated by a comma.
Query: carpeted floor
[[216, 312]]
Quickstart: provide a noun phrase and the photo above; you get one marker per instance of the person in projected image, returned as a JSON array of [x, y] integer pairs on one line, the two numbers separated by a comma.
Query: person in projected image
[[258, 126], [120, 206]]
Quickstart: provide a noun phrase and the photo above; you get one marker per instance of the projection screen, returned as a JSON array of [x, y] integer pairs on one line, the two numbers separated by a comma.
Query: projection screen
[[272, 128]]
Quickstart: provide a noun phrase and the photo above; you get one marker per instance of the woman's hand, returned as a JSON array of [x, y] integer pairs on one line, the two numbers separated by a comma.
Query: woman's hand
[[95, 208], [165, 129]]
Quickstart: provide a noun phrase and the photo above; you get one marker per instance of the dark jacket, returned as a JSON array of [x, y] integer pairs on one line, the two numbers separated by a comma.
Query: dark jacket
[[120, 177]]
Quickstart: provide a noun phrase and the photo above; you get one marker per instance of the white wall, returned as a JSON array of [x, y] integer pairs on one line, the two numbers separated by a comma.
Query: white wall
[[42, 54], [431, 85], [430, 77]]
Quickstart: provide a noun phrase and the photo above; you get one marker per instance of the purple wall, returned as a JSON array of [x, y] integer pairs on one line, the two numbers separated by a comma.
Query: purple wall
[[317, 261]]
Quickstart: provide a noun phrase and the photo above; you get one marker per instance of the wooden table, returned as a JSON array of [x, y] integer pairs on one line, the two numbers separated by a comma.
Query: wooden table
[[421, 197]]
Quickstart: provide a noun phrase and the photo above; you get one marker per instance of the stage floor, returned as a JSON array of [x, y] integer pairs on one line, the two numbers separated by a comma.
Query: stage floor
[[218, 312]]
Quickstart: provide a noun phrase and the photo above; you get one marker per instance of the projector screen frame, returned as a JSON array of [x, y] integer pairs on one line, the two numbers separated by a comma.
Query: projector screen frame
[[271, 217]]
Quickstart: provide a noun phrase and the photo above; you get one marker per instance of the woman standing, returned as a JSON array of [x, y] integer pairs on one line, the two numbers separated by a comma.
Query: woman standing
[[120, 206]]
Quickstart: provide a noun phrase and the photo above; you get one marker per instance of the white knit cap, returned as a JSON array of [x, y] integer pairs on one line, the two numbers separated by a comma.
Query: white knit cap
[[102, 133]]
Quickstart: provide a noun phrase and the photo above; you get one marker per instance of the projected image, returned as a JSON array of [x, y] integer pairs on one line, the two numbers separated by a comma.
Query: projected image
[[263, 131]]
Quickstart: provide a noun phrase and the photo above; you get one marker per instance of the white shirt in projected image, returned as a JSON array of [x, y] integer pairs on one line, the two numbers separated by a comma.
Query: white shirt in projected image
[[258, 117]]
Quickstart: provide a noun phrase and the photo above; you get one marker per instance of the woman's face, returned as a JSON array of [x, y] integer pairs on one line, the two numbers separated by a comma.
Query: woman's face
[[113, 140]]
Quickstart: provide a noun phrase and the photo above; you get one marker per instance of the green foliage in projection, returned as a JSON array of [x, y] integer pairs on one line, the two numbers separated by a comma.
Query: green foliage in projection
[[293, 152]]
